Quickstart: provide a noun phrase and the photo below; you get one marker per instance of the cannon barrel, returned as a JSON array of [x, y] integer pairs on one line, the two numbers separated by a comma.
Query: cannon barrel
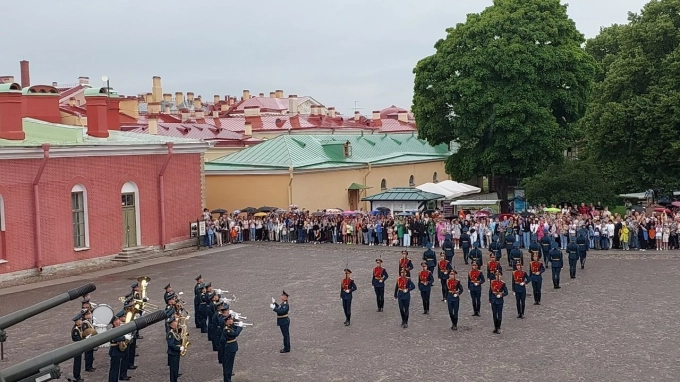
[[33, 366], [21, 315]]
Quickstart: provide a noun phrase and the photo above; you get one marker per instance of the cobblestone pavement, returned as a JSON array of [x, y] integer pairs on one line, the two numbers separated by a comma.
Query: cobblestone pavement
[[615, 322]]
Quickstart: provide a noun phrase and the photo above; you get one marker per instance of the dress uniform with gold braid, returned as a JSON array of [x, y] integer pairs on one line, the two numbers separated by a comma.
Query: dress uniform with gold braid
[[77, 335], [174, 341]]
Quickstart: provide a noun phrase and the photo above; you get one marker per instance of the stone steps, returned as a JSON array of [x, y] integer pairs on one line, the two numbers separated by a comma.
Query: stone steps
[[135, 254]]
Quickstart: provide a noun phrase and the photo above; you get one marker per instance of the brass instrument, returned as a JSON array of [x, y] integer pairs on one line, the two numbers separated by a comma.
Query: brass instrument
[[184, 334], [141, 305], [89, 329]]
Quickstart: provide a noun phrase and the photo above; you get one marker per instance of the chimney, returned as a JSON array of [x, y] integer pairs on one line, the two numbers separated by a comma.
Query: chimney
[[279, 94], [272, 95], [376, 115], [292, 104], [41, 102], [148, 98], [248, 129], [246, 94], [357, 115], [97, 120], [215, 114], [321, 109], [130, 106], [113, 113], [55, 84], [185, 115], [216, 99], [251, 111], [154, 108], [72, 101], [11, 124], [227, 97], [84, 81], [167, 97], [232, 101], [313, 110], [197, 104], [7, 80], [261, 95], [224, 107], [166, 109], [190, 97], [179, 98], [200, 114], [402, 116], [157, 90], [25, 74], [153, 125], [331, 112]]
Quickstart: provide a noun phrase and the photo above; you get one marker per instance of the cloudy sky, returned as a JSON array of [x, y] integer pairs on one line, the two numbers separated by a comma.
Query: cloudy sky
[[338, 51]]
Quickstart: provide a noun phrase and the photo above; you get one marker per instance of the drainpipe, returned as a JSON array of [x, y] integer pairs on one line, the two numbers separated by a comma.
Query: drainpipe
[[290, 186], [36, 208], [162, 193], [366, 182]]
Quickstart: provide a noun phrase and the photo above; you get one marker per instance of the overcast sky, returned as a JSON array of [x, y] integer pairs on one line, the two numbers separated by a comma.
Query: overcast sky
[[338, 52]]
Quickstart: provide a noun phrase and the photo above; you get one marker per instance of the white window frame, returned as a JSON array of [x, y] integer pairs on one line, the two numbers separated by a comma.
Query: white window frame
[[2, 214], [81, 188]]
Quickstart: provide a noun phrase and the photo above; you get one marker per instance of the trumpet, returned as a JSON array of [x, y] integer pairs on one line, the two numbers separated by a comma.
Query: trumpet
[[238, 316], [220, 291], [179, 299], [228, 300]]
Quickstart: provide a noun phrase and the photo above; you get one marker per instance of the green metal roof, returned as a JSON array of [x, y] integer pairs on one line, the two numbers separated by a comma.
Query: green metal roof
[[403, 194], [39, 132], [11, 87], [311, 152], [357, 186]]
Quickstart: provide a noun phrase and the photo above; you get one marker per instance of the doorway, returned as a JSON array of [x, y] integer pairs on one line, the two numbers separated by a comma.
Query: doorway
[[129, 220], [353, 199]]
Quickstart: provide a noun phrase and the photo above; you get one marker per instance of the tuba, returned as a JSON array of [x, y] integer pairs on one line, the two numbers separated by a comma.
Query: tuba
[[89, 329], [141, 305]]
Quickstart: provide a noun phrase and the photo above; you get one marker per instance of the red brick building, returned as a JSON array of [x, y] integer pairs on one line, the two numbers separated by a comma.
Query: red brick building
[[70, 194]]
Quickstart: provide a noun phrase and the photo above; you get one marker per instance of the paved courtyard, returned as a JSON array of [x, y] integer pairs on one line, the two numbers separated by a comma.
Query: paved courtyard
[[615, 322]]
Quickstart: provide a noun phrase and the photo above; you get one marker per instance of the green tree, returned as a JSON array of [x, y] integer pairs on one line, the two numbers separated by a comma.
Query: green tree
[[632, 124], [575, 181], [506, 86]]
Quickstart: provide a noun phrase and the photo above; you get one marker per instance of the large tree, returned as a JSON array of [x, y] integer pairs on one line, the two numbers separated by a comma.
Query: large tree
[[633, 123], [506, 86]]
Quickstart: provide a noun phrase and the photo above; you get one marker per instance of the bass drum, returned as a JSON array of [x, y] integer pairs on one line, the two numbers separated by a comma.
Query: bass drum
[[101, 316]]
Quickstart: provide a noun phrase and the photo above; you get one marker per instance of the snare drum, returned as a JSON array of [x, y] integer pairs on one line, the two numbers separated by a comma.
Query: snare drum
[[101, 317]]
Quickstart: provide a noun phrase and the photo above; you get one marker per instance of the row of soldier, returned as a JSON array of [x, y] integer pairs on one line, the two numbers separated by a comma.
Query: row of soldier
[[542, 254]]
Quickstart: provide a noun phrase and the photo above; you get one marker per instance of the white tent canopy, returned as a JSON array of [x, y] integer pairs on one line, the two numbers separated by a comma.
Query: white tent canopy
[[436, 189], [461, 188]]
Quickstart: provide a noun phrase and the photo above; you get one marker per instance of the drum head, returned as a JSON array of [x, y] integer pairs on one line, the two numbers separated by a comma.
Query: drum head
[[102, 315]]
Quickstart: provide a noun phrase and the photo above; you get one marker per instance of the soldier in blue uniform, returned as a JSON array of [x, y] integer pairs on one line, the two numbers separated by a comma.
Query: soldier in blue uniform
[[125, 356], [572, 255], [509, 243], [168, 291], [282, 320], [537, 269], [115, 353], [231, 333], [476, 255], [430, 257], [454, 289], [197, 300], [516, 255], [89, 355], [221, 341], [378, 282], [77, 335], [497, 291], [546, 246], [582, 242], [174, 341], [443, 269], [535, 247], [347, 287], [556, 264], [405, 263], [491, 266], [465, 244], [402, 293], [203, 309], [475, 281], [425, 281], [448, 247], [495, 248], [211, 312], [519, 288]]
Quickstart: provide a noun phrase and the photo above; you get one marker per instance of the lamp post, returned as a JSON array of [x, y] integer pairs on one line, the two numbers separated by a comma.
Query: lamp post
[[108, 87]]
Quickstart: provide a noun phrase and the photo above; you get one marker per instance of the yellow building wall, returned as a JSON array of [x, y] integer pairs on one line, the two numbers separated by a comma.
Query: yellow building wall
[[70, 119], [233, 192], [218, 152]]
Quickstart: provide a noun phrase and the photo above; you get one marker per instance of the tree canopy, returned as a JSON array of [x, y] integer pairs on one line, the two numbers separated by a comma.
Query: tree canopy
[[506, 86], [633, 121]]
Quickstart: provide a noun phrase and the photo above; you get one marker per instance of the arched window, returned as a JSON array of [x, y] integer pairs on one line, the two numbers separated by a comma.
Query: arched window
[[81, 228], [434, 178], [411, 181], [383, 185]]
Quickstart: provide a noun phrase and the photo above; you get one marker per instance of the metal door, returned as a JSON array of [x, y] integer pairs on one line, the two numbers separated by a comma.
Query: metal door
[[129, 220]]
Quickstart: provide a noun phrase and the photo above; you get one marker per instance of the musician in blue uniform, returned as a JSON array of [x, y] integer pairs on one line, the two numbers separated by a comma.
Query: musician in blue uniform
[[519, 288], [214, 328], [203, 309], [347, 287], [476, 255], [405, 263], [454, 290], [495, 248], [537, 269], [77, 335], [582, 242], [572, 256], [516, 255], [425, 281], [378, 282], [492, 265], [546, 246], [509, 244], [475, 281], [497, 291], [282, 320], [224, 312], [448, 247], [465, 244], [443, 269], [402, 293], [89, 355], [556, 264], [168, 292], [174, 341], [231, 333], [430, 257], [197, 300], [535, 247], [115, 353], [213, 302]]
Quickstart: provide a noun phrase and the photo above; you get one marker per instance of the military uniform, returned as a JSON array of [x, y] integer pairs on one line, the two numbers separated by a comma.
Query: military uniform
[[509, 244], [495, 248], [546, 247], [582, 243], [476, 255], [519, 282], [425, 281], [535, 247], [221, 341], [231, 333], [77, 335], [174, 341], [430, 258], [405, 263], [197, 300], [516, 255], [402, 292], [492, 266], [443, 270], [537, 269], [497, 291], [556, 264], [283, 322], [168, 292], [378, 282], [465, 245], [572, 255], [203, 309], [448, 248], [89, 355], [475, 281], [347, 287], [210, 311], [116, 354], [454, 290]]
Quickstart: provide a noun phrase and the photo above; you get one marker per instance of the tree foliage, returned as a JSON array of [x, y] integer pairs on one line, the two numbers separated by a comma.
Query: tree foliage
[[633, 121], [575, 181], [506, 86]]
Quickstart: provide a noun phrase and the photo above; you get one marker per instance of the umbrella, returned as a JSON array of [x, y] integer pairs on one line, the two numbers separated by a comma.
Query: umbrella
[[267, 209], [333, 211], [249, 210], [526, 214], [384, 209], [281, 211], [236, 212], [218, 211], [675, 204], [260, 214], [552, 209], [666, 210], [349, 213], [638, 208], [482, 214], [317, 214], [405, 213]]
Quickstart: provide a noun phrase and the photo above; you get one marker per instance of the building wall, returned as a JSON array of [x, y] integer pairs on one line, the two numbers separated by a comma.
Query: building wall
[[218, 152], [70, 119], [233, 192], [103, 177]]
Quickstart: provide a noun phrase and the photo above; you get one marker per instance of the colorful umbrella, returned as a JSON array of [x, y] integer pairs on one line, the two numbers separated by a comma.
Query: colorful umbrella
[[675, 204], [260, 214], [552, 209]]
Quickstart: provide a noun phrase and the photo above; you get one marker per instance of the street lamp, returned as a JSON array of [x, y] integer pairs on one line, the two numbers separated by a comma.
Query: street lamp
[[108, 88]]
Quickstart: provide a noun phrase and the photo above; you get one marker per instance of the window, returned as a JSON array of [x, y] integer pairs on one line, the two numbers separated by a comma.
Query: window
[[79, 214], [2, 230], [434, 178], [411, 181], [383, 185]]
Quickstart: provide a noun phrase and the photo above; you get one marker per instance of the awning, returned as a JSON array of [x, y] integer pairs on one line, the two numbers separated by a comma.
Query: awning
[[436, 189], [474, 202], [357, 186]]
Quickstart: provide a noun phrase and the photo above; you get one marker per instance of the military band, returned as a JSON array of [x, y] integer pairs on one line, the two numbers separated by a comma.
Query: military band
[[175, 348], [402, 293], [347, 287], [378, 282], [88, 326], [197, 300], [231, 333]]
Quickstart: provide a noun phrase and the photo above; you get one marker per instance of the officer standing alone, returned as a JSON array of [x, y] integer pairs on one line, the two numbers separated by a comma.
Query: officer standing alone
[[282, 320], [347, 287]]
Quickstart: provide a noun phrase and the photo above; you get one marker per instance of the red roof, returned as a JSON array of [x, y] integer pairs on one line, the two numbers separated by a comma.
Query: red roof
[[393, 111], [70, 92]]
